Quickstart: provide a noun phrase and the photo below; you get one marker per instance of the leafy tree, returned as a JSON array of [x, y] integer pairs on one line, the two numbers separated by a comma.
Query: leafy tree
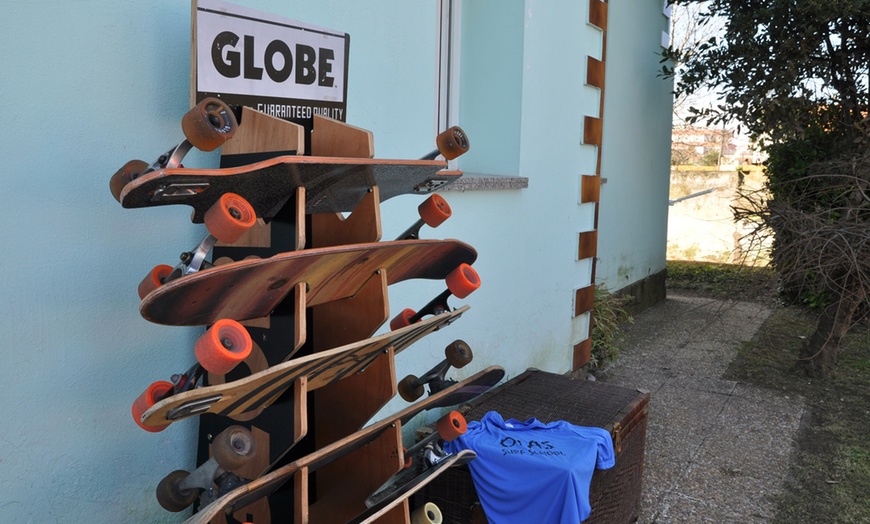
[[794, 73]]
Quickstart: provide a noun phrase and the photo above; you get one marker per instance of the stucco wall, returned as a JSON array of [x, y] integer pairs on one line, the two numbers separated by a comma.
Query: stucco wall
[[91, 84], [636, 147]]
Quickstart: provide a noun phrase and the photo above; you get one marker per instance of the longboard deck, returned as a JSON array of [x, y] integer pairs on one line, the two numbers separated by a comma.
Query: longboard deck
[[269, 483], [253, 288], [332, 184], [258, 390]]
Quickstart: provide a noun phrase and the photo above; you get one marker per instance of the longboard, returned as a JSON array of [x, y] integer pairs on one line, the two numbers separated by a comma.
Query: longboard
[[253, 288], [301, 468], [259, 390], [331, 184]]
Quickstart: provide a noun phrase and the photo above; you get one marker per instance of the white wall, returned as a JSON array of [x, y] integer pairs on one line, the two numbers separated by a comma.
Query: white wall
[[90, 84], [636, 146]]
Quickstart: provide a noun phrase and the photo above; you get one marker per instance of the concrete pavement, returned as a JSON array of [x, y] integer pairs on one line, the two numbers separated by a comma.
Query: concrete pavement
[[717, 450]]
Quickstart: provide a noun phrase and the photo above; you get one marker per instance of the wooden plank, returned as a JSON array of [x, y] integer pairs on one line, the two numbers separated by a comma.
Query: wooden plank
[[588, 245], [582, 354], [584, 299], [592, 130], [594, 72], [590, 189], [262, 133], [331, 137], [363, 225], [598, 14]]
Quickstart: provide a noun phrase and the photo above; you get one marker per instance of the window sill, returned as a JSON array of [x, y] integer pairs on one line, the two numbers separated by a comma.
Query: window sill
[[478, 182]]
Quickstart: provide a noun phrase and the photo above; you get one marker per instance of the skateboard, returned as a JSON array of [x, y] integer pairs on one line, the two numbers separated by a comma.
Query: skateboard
[[411, 486], [300, 469], [258, 390], [332, 184], [253, 288]]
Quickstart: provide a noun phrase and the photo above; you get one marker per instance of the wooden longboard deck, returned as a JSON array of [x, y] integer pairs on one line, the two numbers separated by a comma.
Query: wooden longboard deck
[[257, 391], [268, 483], [253, 288], [332, 184]]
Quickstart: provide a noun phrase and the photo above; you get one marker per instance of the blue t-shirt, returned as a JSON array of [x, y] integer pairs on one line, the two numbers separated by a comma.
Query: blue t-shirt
[[534, 472]]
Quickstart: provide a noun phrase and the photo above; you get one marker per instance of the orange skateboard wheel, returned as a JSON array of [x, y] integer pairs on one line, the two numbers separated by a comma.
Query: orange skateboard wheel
[[153, 280], [434, 210], [152, 395], [229, 218], [171, 497], [403, 319], [451, 426], [233, 447], [223, 346], [129, 172], [463, 281], [209, 124], [410, 389], [452, 143]]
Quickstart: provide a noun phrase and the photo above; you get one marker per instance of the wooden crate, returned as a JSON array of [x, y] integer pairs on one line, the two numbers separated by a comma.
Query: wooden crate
[[614, 493]]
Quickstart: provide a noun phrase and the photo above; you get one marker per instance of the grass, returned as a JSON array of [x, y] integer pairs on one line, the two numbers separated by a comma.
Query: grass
[[829, 481]]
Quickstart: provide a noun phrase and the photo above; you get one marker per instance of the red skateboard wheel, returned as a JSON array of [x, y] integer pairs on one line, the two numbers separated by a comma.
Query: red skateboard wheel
[[153, 280], [223, 346], [451, 426], [229, 218], [403, 319], [153, 394], [434, 210], [463, 281]]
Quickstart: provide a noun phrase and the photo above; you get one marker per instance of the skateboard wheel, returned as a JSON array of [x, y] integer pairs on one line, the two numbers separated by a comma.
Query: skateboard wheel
[[403, 319], [462, 281], [131, 171], [153, 280], [451, 426], [452, 143], [154, 394], [233, 447], [428, 513], [434, 210], [173, 498], [209, 124], [410, 388], [230, 217], [458, 354], [223, 346]]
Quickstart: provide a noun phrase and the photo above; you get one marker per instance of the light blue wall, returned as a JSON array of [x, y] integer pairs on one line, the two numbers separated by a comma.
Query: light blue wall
[[638, 104], [90, 84]]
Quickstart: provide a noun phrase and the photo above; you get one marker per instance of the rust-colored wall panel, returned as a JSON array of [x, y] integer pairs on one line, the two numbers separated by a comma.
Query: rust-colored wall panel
[[592, 129], [598, 14], [590, 188], [584, 299], [588, 245], [594, 72]]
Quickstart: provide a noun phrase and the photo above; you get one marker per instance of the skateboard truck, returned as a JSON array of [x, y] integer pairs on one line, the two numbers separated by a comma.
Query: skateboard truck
[[433, 212], [457, 354], [231, 449], [221, 348], [208, 125], [461, 282], [449, 427]]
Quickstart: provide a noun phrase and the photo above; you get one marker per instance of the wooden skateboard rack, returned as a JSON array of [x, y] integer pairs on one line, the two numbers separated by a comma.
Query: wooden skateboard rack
[[300, 420]]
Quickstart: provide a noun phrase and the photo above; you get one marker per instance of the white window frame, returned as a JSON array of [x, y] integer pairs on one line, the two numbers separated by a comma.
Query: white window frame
[[447, 78]]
